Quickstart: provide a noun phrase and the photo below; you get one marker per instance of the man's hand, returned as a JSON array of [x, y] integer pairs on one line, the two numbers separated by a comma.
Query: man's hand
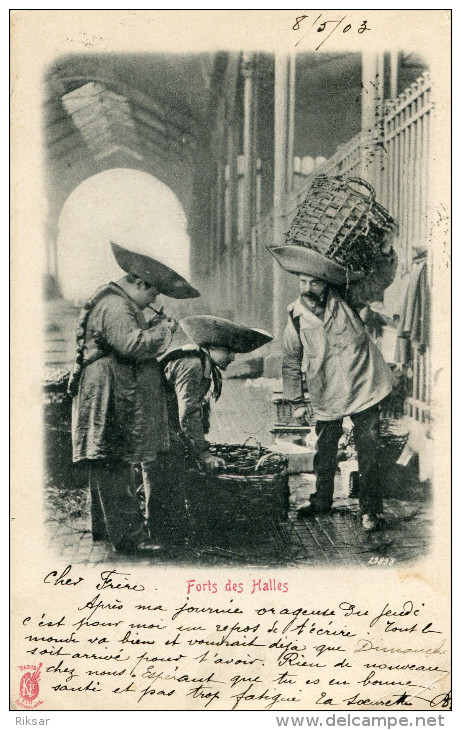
[[303, 414], [386, 245], [300, 414], [212, 463], [172, 324]]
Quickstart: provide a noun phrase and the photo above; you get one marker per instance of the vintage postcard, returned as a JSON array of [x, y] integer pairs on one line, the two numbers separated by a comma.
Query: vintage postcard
[[231, 361]]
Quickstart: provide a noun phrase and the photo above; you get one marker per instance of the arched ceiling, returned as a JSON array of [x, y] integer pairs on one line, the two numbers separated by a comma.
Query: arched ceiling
[[128, 103]]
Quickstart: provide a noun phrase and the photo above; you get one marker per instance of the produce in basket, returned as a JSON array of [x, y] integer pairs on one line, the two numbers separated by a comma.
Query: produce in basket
[[245, 460]]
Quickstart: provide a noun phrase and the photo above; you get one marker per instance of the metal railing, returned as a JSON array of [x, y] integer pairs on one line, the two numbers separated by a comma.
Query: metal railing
[[403, 180], [403, 188], [417, 405]]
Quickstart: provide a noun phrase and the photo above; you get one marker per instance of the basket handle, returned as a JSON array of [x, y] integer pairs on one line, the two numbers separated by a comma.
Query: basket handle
[[365, 184], [258, 443]]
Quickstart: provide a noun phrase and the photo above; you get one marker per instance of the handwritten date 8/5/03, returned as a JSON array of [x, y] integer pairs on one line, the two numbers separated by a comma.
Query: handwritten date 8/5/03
[[329, 26]]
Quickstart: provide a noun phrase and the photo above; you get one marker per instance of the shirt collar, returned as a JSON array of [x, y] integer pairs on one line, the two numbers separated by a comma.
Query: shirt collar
[[301, 310], [208, 365]]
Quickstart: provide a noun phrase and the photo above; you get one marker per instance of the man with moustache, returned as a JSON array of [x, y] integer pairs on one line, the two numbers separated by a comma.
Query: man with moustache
[[345, 372]]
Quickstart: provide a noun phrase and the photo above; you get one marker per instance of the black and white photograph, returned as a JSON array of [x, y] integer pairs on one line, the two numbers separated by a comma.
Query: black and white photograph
[[243, 245], [241, 241]]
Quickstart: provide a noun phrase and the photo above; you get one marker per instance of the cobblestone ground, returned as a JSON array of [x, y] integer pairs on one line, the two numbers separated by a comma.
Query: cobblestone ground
[[332, 540]]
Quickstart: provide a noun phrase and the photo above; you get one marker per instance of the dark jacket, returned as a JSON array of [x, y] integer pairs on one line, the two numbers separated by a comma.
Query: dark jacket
[[191, 375], [119, 410]]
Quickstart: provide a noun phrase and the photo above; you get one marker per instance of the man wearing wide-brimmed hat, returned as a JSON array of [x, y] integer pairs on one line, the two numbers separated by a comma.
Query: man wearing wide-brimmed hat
[[345, 372], [119, 404], [193, 373]]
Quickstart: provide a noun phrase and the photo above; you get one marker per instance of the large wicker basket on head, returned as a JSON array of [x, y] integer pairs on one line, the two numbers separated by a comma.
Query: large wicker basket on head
[[341, 220]]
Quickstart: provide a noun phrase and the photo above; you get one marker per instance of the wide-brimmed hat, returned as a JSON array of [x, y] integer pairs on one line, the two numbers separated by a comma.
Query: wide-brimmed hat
[[206, 329], [159, 275], [302, 260]]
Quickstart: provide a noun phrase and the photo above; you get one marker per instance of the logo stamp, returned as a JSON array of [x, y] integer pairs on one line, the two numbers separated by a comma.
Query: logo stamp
[[29, 687]]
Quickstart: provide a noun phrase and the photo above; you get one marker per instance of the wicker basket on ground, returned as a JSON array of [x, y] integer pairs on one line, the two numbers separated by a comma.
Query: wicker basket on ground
[[252, 488], [57, 411]]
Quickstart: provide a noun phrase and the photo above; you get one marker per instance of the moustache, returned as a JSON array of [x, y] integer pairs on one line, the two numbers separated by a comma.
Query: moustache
[[314, 297]]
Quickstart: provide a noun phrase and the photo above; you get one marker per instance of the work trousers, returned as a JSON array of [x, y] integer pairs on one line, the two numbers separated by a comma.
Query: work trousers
[[366, 439], [164, 489], [115, 511]]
